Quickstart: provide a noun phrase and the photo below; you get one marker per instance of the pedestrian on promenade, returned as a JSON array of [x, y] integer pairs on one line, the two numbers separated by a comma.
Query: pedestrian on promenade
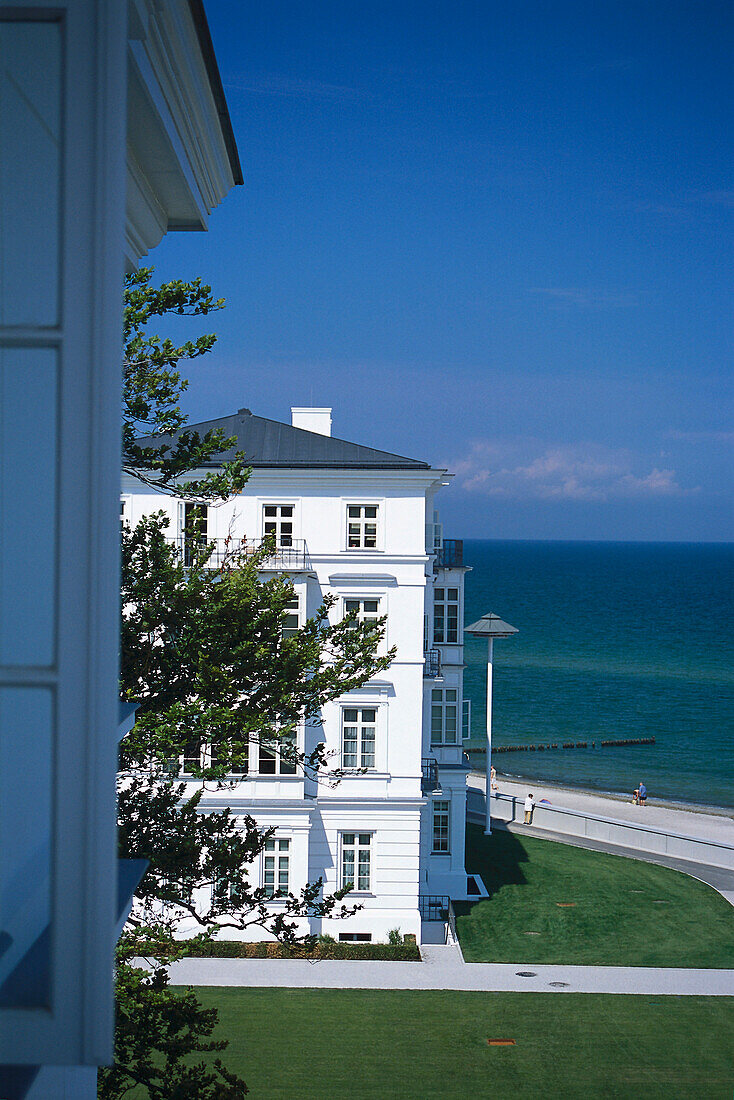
[[529, 807], [642, 793], [493, 779]]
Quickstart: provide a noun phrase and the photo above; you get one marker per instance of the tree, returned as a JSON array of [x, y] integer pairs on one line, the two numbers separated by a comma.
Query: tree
[[204, 656]]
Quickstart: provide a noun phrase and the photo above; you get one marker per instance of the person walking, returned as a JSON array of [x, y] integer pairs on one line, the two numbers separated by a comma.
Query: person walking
[[642, 793], [529, 807], [493, 779]]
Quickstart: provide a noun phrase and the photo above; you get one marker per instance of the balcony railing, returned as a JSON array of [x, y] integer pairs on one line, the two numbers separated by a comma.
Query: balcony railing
[[449, 555], [292, 556], [431, 663], [434, 906], [429, 775]]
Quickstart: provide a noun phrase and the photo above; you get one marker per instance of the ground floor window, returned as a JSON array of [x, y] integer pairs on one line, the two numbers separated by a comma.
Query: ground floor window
[[227, 890], [357, 861], [355, 937], [276, 866], [441, 825]]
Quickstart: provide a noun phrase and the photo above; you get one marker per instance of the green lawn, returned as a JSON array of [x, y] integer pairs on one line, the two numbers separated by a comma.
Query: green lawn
[[298, 1044], [624, 912]]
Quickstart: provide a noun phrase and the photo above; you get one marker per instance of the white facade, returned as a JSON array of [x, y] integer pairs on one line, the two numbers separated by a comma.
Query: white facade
[[394, 727], [112, 132]]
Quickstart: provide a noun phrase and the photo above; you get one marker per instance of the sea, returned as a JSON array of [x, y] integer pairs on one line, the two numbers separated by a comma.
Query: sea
[[616, 641]]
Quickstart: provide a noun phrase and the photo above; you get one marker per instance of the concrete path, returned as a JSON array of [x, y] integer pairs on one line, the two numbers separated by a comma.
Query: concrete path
[[443, 968], [698, 821]]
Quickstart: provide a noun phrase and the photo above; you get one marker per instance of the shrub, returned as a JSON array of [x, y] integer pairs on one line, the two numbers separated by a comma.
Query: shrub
[[326, 948], [395, 937]]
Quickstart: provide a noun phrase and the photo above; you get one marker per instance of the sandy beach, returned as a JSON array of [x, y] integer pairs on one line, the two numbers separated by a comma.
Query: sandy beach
[[708, 822]]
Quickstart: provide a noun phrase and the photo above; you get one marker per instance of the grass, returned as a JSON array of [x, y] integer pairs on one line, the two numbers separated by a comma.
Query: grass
[[318, 1043], [624, 912]]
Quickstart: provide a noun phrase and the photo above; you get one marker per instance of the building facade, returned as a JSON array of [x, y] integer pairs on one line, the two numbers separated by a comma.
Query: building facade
[[114, 131], [360, 524]]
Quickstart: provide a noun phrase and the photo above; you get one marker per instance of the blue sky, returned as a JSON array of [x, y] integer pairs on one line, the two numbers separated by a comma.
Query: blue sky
[[497, 237]]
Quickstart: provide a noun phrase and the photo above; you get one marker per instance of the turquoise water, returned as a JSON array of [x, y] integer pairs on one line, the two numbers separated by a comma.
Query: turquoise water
[[617, 640]]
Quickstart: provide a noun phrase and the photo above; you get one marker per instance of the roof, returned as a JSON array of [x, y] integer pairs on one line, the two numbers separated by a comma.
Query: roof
[[491, 626], [196, 7], [270, 444]]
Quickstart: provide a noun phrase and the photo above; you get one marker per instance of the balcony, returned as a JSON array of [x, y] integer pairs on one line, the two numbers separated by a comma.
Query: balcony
[[293, 556], [449, 555], [431, 664], [429, 775]]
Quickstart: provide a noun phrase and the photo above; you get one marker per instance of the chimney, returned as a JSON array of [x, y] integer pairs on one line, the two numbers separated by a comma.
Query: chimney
[[312, 420]]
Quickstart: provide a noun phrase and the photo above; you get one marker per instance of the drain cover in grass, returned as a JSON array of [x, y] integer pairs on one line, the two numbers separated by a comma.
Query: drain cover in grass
[[661, 901], [526, 974], [501, 1042], [531, 933], [566, 904]]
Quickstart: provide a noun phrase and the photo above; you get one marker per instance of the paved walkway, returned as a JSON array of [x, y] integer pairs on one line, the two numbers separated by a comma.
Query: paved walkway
[[443, 968], [696, 821]]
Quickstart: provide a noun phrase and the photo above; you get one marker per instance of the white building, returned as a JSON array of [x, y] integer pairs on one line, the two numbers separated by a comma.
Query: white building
[[359, 523], [113, 131]]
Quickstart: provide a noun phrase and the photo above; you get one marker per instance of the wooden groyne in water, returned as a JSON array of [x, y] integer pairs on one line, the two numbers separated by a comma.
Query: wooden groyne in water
[[565, 745]]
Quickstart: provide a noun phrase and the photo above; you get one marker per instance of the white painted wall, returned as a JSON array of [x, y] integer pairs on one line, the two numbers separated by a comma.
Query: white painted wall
[[386, 801]]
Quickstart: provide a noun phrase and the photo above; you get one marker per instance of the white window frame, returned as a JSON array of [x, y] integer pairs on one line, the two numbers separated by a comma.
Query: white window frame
[[75, 1024], [278, 520], [276, 852], [465, 719], [356, 846], [439, 700], [361, 743], [361, 522], [441, 806], [363, 615], [282, 766], [445, 603], [292, 610]]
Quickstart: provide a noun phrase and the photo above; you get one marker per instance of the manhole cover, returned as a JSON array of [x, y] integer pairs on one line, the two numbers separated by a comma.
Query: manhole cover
[[559, 985], [526, 974], [501, 1042]]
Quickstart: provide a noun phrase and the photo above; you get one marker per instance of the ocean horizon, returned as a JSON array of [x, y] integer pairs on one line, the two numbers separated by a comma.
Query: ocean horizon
[[617, 641]]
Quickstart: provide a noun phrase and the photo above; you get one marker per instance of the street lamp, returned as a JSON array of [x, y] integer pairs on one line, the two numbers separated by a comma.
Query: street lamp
[[490, 627]]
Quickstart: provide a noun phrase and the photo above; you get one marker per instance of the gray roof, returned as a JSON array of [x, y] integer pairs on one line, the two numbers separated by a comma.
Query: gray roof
[[268, 443], [491, 626]]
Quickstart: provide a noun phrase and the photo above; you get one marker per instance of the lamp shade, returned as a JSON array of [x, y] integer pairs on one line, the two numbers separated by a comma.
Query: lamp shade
[[490, 626]]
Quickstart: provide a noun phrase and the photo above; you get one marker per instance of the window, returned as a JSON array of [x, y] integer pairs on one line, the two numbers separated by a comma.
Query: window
[[466, 718], [278, 521], [238, 768], [193, 530], [446, 615], [355, 937], [277, 756], [191, 757], [367, 610], [276, 867], [441, 818], [356, 861], [291, 617], [444, 707], [227, 890], [362, 526], [358, 737]]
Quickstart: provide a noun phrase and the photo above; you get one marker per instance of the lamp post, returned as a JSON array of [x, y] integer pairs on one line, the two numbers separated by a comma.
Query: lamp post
[[490, 626]]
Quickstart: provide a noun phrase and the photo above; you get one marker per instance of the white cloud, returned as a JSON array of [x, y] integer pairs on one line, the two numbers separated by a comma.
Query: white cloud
[[587, 473]]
